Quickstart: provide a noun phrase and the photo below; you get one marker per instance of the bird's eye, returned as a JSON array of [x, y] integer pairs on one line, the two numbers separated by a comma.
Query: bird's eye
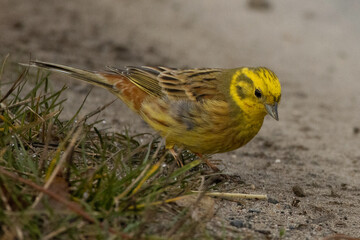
[[257, 93]]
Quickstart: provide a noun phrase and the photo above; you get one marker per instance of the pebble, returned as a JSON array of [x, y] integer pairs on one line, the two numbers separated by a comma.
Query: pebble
[[265, 232], [356, 130], [254, 210], [259, 4], [273, 201], [240, 224], [298, 191], [295, 202]]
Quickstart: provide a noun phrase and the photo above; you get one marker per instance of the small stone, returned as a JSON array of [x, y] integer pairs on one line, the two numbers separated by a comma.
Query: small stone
[[298, 191], [254, 210], [340, 224], [356, 130], [265, 232], [237, 223], [302, 226], [85, 195], [287, 206], [295, 202], [240, 224], [18, 25], [334, 194], [259, 4], [277, 161], [273, 201]]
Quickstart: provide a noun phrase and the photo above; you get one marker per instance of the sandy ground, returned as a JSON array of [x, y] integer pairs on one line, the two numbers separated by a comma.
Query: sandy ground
[[313, 46]]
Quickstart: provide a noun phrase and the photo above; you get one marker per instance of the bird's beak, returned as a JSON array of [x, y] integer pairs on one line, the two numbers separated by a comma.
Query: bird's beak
[[272, 110]]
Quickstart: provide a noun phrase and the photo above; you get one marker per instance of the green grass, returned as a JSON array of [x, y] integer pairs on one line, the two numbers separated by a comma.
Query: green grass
[[73, 180]]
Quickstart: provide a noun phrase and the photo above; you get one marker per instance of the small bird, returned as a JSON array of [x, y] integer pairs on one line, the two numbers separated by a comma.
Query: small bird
[[204, 110]]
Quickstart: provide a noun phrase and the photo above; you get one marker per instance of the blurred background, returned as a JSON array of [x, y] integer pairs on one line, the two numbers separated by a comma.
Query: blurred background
[[313, 47]]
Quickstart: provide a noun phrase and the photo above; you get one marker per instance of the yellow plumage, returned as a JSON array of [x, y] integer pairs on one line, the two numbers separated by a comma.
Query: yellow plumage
[[206, 111], [218, 123]]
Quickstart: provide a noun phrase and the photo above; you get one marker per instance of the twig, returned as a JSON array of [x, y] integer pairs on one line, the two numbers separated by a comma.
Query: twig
[[234, 196]]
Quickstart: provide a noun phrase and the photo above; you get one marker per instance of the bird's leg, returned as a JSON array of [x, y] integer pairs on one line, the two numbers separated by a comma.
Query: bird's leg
[[177, 157], [212, 166]]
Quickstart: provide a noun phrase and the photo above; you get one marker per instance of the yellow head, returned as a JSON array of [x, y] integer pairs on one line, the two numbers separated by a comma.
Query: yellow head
[[256, 91]]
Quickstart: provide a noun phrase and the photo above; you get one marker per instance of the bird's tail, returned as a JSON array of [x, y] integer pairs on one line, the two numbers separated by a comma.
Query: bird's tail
[[84, 75], [115, 82]]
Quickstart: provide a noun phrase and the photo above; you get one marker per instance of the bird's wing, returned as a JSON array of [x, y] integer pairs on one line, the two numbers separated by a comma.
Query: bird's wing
[[192, 84]]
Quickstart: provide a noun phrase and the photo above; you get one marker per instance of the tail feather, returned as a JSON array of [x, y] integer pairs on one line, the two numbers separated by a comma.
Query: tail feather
[[116, 83], [84, 75]]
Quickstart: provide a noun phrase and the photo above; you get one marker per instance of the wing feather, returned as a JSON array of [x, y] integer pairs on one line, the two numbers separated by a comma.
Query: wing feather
[[190, 84]]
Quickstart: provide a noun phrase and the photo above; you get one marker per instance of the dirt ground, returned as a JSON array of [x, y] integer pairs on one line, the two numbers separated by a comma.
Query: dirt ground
[[308, 162]]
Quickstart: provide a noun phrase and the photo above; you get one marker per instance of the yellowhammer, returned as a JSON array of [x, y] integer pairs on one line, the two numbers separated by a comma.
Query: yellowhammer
[[206, 111]]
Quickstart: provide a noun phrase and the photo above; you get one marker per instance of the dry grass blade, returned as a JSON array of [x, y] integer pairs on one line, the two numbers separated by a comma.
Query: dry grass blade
[[54, 233], [3, 65], [15, 85], [148, 174], [96, 111], [5, 107]]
